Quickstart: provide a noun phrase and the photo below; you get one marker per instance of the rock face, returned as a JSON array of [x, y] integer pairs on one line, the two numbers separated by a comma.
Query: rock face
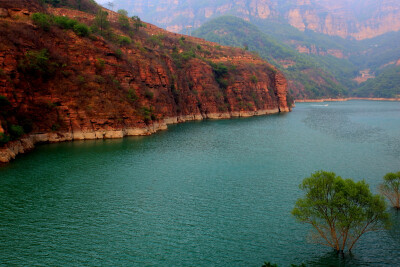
[[59, 86], [359, 19]]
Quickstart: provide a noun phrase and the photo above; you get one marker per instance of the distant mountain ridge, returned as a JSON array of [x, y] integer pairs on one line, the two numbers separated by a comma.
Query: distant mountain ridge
[[358, 19]]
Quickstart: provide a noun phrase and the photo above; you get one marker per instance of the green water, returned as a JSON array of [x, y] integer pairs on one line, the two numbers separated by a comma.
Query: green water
[[213, 193]]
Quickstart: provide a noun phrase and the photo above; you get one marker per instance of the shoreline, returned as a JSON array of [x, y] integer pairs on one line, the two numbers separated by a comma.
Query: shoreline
[[344, 99], [28, 142]]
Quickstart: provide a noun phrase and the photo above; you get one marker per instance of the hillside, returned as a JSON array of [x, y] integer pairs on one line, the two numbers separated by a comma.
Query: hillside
[[306, 76], [336, 68], [69, 74]]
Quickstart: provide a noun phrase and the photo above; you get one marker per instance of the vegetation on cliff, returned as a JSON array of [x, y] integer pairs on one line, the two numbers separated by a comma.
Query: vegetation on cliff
[[72, 66]]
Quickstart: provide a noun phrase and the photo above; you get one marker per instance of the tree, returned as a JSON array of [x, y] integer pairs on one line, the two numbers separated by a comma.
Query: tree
[[123, 19], [122, 12], [137, 23], [101, 21], [339, 210], [390, 188]]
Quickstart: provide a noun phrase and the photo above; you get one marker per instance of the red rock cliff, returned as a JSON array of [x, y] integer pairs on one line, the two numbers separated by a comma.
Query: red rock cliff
[[61, 86]]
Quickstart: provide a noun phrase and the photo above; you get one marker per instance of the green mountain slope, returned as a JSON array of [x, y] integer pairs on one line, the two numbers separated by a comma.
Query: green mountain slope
[[386, 84], [307, 77]]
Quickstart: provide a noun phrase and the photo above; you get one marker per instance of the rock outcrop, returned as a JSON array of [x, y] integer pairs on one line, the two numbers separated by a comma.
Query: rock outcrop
[[58, 86]]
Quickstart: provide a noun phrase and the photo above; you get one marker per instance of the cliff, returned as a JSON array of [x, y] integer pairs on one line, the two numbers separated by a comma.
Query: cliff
[[60, 84], [359, 19]]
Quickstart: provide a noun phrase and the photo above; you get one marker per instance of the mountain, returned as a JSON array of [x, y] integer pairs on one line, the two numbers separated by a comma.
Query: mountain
[[348, 42], [307, 78], [358, 19], [71, 71]]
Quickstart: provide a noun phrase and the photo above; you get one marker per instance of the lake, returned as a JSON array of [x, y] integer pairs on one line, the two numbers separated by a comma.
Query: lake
[[211, 193]]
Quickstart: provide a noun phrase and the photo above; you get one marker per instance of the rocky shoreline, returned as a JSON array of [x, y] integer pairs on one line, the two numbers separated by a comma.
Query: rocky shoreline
[[344, 99], [27, 143]]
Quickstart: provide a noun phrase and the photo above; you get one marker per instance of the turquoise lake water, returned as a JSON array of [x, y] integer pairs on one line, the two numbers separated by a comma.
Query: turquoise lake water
[[212, 193]]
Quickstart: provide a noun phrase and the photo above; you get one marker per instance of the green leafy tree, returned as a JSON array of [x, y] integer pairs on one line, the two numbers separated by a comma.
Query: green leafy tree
[[339, 210], [124, 22], [137, 22], [390, 188]]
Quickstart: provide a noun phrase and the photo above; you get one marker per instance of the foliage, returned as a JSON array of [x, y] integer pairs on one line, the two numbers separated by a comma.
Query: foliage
[[42, 20], [45, 21], [101, 22], [89, 6], [180, 59], [147, 113], [4, 138], [124, 22], [390, 188], [99, 65], [81, 29], [220, 71], [64, 22], [124, 40], [137, 23], [156, 40], [122, 12], [36, 63], [339, 210], [118, 53], [16, 131], [132, 96]]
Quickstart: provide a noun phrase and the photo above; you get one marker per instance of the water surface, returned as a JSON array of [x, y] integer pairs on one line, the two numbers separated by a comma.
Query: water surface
[[213, 193]]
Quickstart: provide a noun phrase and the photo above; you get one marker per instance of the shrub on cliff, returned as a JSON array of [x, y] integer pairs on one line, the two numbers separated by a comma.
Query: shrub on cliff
[[81, 29], [123, 19], [4, 139], [16, 131], [124, 40], [65, 22], [340, 211], [42, 20], [36, 63], [390, 188]]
